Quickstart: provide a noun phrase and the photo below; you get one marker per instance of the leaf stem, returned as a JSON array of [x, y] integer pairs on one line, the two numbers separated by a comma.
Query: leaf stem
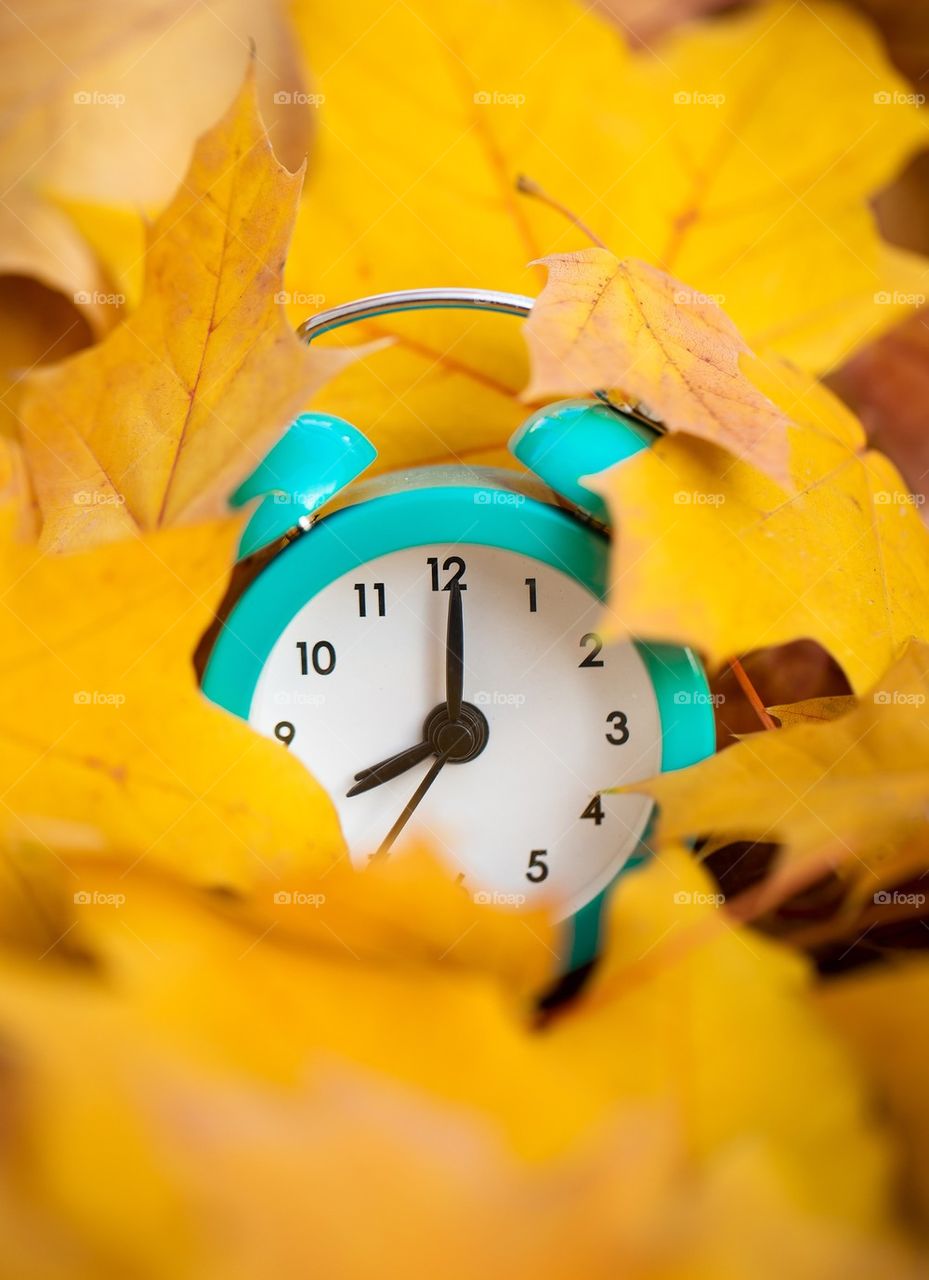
[[529, 188], [751, 693]]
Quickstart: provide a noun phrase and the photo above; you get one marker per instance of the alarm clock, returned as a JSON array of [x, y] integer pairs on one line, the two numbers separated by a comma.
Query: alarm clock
[[427, 643]]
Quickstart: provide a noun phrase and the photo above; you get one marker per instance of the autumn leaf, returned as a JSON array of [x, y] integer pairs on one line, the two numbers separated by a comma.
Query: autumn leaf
[[625, 327], [880, 1015], [87, 115], [158, 423], [293, 1092], [813, 710], [726, 188], [849, 794], [105, 735], [715, 555]]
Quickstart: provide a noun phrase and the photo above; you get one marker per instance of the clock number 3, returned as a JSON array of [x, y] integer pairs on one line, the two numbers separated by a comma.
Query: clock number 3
[[538, 867], [620, 730]]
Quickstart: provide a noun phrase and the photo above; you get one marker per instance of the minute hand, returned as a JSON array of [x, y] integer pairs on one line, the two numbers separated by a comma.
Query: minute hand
[[454, 655]]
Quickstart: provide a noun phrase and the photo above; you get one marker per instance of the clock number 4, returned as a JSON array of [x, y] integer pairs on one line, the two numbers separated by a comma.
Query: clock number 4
[[538, 867], [594, 810], [452, 563], [322, 658], [380, 592]]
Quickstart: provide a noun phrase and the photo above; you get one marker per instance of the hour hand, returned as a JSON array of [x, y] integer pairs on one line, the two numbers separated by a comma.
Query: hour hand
[[392, 767]]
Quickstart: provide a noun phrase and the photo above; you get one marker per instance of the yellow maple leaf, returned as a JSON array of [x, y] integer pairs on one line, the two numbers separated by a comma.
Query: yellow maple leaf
[[604, 325], [848, 794], [158, 423], [881, 1016], [103, 728], [713, 554], [737, 196], [685, 1083]]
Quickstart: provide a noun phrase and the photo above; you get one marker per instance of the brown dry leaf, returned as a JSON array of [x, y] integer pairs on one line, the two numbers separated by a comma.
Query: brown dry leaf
[[848, 795], [714, 555], [157, 424], [105, 735], [887, 385], [625, 327]]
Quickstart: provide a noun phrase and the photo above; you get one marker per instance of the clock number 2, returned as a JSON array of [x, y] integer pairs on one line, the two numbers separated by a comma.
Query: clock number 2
[[322, 658], [620, 730], [453, 562], [538, 867], [592, 659]]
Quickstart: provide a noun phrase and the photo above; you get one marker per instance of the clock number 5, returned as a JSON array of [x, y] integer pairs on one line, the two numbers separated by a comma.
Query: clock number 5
[[322, 658], [620, 730], [538, 867]]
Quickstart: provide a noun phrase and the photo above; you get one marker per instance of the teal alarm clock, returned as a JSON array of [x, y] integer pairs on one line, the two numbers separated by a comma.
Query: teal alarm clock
[[427, 644]]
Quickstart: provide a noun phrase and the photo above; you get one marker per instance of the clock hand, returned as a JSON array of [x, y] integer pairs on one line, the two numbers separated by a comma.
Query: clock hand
[[411, 805], [454, 655], [392, 767]]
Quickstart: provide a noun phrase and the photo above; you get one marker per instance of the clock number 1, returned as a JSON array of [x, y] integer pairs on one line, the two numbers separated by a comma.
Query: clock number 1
[[379, 591], [322, 658], [533, 595]]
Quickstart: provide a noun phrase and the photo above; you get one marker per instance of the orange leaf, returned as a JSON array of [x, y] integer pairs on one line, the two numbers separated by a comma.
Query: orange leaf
[[626, 327]]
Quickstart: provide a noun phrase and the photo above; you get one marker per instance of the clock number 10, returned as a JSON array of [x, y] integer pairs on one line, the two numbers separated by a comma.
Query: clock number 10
[[321, 658]]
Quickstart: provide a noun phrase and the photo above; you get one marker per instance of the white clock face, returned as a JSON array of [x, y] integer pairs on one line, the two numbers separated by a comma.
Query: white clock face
[[554, 717]]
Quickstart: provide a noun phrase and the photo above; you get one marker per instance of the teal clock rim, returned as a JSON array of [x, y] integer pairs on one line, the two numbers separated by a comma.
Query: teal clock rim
[[459, 514]]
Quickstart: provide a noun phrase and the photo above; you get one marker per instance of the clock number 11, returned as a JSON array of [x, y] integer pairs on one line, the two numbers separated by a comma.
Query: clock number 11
[[381, 593]]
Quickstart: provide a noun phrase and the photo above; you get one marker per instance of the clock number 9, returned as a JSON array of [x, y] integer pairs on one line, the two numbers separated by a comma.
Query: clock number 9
[[620, 730], [322, 658], [538, 865], [284, 732], [453, 562]]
